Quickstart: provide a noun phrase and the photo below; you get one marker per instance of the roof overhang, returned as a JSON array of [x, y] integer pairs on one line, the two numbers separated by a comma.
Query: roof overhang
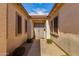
[[38, 17], [54, 9], [21, 8]]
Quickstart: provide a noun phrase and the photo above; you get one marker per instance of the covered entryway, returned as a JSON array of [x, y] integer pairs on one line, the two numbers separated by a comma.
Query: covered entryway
[[39, 29]]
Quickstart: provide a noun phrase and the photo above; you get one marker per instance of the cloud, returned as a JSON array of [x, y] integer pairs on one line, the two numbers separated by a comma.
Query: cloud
[[38, 11]]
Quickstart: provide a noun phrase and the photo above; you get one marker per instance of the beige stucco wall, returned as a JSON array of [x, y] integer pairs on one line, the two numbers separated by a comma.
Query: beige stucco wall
[[69, 29], [13, 40], [3, 29], [8, 39], [47, 30], [68, 42], [69, 18], [30, 28]]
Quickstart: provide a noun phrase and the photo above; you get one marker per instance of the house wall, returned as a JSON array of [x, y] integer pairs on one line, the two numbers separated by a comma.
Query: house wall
[[14, 41], [3, 47], [47, 30], [69, 30], [69, 18], [30, 28]]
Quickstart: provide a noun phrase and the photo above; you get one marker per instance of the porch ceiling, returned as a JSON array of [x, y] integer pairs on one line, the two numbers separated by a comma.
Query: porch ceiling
[[38, 21]]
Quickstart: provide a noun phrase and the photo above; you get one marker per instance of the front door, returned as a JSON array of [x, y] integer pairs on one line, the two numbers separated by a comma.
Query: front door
[[39, 31]]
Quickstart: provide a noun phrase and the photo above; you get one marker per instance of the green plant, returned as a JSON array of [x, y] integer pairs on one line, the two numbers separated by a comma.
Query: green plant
[[19, 51], [49, 41], [29, 40]]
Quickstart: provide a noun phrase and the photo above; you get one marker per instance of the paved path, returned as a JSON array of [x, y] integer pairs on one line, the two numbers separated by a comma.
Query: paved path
[[50, 49], [35, 49], [27, 48]]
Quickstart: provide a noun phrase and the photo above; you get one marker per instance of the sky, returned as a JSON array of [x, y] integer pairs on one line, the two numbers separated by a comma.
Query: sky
[[38, 8]]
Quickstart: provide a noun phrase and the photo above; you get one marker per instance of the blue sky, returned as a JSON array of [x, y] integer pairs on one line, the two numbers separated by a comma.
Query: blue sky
[[38, 8]]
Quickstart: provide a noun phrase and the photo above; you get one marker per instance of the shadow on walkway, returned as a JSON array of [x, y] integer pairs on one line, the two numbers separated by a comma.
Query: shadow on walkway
[[35, 49], [27, 48], [22, 50]]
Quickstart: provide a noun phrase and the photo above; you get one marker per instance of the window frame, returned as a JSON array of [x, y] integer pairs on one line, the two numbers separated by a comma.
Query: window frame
[[55, 25], [25, 25], [18, 24]]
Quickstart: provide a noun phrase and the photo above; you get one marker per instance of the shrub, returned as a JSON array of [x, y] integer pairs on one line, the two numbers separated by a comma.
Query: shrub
[[29, 40], [49, 41], [19, 51]]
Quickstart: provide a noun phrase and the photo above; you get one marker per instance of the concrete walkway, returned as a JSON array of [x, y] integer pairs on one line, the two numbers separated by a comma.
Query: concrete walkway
[[35, 49], [41, 48], [27, 48], [50, 49]]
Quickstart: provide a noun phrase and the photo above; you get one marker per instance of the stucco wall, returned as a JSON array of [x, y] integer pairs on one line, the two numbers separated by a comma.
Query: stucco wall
[[47, 30], [13, 40], [3, 21], [68, 42], [69, 18], [69, 29], [30, 28]]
